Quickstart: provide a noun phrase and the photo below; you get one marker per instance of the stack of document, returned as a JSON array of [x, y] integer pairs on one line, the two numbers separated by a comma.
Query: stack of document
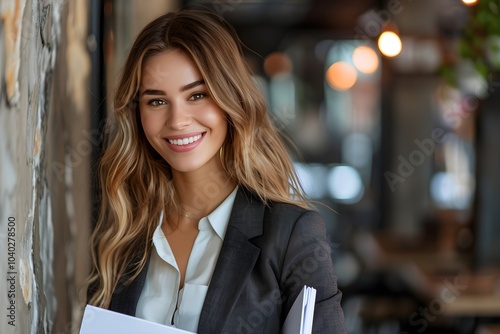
[[97, 320], [300, 318]]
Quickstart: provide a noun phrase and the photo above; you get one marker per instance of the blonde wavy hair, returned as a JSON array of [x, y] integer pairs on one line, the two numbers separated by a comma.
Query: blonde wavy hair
[[136, 181]]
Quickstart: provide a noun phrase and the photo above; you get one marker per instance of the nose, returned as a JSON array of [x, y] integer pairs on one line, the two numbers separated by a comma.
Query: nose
[[179, 117]]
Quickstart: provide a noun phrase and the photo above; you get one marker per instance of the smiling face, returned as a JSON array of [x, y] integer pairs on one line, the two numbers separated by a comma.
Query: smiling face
[[180, 119]]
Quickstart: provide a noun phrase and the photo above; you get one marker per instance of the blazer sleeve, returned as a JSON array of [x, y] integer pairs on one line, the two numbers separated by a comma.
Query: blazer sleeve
[[308, 261]]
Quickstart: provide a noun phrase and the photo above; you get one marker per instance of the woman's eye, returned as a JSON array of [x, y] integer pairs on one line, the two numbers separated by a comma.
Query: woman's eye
[[155, 103], [197, 96]]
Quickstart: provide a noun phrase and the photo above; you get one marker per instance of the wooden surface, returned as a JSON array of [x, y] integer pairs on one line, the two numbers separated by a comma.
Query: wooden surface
[[442, 279], [489, 329]]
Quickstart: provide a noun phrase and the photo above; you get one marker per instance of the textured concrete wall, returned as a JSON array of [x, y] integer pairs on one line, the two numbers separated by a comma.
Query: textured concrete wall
[[44, 164]]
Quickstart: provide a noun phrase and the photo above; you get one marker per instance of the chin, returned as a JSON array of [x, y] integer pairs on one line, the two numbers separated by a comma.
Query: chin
[[185, 167], [198, 164]]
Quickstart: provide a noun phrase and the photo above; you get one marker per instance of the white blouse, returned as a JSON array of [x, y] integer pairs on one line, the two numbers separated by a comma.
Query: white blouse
[[161, 300]]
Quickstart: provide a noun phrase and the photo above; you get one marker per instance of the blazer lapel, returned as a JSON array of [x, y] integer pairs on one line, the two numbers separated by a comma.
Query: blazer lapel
[[236, 260], [125, 298]]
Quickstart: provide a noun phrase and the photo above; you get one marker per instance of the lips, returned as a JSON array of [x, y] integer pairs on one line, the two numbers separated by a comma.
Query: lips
[[186, 142]]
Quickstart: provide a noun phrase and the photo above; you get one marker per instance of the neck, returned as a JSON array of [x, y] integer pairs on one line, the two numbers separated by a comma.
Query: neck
[[198, 195]]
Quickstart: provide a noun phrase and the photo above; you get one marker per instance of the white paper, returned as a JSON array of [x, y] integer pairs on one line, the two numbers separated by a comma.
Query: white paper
[[97, 320], [300, 317]]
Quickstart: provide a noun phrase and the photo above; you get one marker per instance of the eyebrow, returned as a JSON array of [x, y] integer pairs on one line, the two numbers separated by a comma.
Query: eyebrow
[[192, 85], [182, 89]]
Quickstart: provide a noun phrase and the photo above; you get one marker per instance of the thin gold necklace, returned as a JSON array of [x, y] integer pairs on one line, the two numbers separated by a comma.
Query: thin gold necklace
[[187, 215]]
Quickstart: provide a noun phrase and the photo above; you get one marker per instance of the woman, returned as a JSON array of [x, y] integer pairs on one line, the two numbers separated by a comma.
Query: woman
[[198, 227]]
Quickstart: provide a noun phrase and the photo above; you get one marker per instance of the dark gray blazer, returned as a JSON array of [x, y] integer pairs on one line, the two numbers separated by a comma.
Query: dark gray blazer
[[269, 253]]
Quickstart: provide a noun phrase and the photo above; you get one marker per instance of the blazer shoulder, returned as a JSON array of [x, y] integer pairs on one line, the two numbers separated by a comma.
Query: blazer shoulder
[[272, 218], [281, 220], [291, 212]]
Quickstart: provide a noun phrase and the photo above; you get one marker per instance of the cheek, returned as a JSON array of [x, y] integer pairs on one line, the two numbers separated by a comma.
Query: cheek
[[217, 120], [224, 128], [149, 125], [220, 126]]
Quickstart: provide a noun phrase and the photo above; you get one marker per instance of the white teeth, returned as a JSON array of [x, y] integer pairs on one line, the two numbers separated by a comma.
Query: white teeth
[[184, 141]]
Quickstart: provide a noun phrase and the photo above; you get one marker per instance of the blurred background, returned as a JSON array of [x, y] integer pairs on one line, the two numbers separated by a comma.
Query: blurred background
[[393, 109]]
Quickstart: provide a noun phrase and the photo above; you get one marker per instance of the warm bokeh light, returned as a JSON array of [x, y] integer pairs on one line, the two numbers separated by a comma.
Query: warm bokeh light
[[341, 76], [365, 59], [277, 63], [469, 2], [390, 44]]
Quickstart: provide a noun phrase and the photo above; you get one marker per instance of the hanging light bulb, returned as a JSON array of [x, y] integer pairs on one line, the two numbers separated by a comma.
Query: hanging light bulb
[[469, 2], [390, 44]]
